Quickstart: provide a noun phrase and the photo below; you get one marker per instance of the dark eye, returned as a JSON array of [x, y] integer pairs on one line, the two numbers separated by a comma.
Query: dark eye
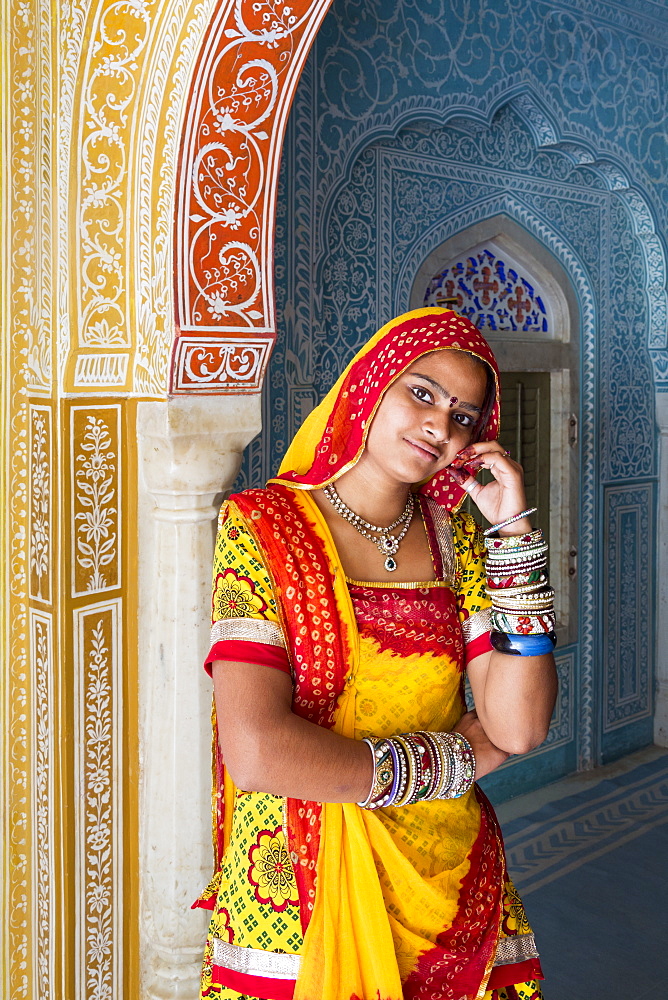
[[422, 394], [464, 419]]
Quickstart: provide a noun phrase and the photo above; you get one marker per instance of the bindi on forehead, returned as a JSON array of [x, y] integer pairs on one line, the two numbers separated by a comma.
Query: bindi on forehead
[[453, 401]]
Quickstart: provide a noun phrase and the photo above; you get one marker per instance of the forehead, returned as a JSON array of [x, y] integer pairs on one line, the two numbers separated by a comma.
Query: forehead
[[451, 365]]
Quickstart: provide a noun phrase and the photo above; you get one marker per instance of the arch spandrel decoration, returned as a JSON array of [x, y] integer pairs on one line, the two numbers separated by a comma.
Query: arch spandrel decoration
[[243, 84]]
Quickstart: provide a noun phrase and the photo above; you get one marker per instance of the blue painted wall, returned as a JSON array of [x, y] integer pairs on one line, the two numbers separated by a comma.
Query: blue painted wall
[[414, 120]]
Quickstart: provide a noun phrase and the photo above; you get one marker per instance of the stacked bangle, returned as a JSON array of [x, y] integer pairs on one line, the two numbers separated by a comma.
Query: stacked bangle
[[419, 767], [524, 645], [385, 773], [523, 619]]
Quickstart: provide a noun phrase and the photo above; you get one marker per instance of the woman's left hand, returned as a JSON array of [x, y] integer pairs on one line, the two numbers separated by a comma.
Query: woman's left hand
[[487, 756], [504, 497]]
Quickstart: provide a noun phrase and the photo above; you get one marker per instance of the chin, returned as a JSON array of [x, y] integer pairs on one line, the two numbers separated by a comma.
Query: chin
[[412, 476]]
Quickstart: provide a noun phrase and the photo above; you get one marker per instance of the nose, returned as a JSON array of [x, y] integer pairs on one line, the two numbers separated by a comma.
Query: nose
[[437, 426]]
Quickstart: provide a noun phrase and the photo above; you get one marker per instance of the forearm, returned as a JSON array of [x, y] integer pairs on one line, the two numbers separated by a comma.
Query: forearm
[[267, 748], [517, 700], [296, 758]]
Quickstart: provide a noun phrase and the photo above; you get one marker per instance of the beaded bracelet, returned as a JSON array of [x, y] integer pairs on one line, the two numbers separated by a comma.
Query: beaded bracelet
[[419, 767], [517, 622], [510, 520], [383, 772]]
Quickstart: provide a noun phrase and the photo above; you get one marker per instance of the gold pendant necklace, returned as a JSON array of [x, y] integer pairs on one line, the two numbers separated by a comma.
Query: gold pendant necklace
[[387, 543]]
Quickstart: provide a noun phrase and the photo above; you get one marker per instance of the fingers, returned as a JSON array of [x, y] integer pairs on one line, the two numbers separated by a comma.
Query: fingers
[[463, 479], [484, 455], [477, 455]]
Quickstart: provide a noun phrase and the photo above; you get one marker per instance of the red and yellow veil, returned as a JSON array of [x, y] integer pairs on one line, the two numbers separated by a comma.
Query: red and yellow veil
[[332, 438]]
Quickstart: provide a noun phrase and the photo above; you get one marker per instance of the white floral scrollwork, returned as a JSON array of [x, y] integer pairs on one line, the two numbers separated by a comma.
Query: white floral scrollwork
[[98, 726], [96, 513], [228, 174], [225, 362], [71, 19], [40, 500], [42, 763], [121, 34], [180, 36], [27, 364]]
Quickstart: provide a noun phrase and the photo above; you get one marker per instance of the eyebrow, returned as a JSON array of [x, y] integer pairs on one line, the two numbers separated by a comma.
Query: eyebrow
[[446, 394]]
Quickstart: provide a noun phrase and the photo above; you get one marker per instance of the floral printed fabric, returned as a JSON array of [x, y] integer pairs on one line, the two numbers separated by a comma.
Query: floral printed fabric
[[235, 596], [271, 871], [257, 904], [241, 585], [470, 549]]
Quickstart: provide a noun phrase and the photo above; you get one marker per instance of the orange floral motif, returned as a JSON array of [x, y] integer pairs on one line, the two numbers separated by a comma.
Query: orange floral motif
[[222, 922], [514, 920], [271, 871], [234, 596], [207, 970]]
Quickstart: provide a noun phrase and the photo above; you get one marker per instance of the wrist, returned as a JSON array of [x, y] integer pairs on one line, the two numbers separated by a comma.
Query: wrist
[[522, 527], [510, 523], [522, 613]]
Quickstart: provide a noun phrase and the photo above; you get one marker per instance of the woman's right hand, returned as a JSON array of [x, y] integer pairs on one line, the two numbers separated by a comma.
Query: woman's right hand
[[487, 756]]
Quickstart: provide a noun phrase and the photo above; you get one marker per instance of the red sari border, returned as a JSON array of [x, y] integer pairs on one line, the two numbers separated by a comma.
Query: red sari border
[[512, 975], [254, 986]]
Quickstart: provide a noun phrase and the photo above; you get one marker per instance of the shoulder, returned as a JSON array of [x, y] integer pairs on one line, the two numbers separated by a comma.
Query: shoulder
[[239, 507], [467, 536], [464, 524], [267, 516]]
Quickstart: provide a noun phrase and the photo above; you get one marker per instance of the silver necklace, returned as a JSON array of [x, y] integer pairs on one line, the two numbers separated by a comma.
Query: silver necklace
[[387, 544]]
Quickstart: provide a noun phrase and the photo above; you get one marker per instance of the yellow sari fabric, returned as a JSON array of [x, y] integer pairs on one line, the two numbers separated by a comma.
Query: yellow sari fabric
[[330, 442]]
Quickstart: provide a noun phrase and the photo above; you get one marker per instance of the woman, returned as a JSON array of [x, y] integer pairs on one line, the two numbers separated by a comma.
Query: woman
[[353, 861]]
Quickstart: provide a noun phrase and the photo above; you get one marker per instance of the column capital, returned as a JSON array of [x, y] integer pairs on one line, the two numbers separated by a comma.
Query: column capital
[[193, 445]]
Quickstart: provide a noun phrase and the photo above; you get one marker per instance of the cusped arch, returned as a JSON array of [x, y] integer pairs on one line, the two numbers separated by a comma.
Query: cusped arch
[[548, 132], [582, 152], [528, 234], [529, 257], [158, 87]]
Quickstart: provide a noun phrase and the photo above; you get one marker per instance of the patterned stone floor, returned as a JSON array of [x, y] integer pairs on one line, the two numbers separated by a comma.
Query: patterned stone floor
[[590, 856]]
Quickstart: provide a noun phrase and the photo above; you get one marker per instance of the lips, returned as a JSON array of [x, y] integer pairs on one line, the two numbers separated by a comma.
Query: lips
[[425, 450]]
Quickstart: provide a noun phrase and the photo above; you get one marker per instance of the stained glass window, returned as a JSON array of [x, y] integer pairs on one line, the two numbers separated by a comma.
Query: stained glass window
[[491, 292]]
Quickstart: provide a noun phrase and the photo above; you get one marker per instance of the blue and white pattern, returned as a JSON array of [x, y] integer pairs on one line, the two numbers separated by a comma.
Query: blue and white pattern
[[413, 121], [629, 633]]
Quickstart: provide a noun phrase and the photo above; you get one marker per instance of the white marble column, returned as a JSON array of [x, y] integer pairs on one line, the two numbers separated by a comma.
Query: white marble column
[[189, 454], [661, 623]]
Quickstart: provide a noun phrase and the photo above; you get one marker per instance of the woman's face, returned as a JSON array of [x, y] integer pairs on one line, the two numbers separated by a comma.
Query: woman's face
[[426, 417]]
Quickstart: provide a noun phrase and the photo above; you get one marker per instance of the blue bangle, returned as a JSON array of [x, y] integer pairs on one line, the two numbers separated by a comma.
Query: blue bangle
[[395, 780], [523, 645]]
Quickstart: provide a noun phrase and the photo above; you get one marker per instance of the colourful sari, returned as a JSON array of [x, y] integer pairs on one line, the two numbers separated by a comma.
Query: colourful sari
[[326, 901]]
